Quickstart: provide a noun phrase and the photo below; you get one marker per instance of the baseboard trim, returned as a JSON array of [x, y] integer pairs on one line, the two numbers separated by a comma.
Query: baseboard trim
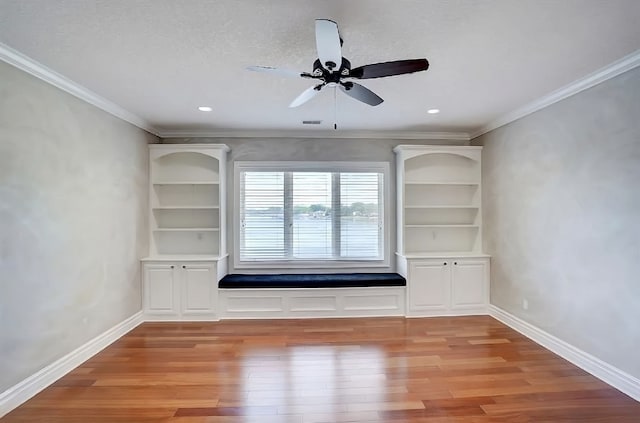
[[21, 392], [480, 311], [615, 377]]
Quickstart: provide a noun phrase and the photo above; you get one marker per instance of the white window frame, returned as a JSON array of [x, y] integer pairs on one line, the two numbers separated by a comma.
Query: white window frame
[[259, 166]]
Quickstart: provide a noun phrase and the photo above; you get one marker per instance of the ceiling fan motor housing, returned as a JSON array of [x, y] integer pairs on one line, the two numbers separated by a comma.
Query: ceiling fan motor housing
[[332, 76]]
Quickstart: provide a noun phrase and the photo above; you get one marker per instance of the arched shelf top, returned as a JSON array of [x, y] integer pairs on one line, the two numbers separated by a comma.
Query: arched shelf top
[[439, 164], [165, 155], [215, 151], [188, 165], [406, 152], [439, 158]]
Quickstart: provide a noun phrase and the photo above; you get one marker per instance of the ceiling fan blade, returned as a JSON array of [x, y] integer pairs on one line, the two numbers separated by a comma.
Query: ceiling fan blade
[[276, 71], [361, 93], [399, 67], [328, 44], [306, 95]]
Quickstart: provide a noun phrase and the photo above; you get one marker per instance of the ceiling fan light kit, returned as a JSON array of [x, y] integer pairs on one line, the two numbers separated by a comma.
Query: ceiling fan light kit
[[327, 71]]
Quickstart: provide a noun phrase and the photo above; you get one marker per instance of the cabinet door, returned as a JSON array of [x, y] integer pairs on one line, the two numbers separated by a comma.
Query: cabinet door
[[199, 291], [160, 289], [469, 284], [428, 286]]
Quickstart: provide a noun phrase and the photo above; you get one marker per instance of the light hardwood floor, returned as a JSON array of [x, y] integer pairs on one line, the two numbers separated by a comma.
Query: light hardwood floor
[[462, 369]]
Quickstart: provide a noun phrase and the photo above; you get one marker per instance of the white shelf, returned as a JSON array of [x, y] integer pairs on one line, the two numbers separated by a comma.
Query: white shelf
[[440, 226], [442, 254], [186, 208], [436, 195], [440, 183], [184, 257], [186, 183], [186, 230], [442, 207]]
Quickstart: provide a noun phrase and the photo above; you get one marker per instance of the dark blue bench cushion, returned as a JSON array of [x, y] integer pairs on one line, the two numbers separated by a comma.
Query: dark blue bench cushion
[[324, 280]]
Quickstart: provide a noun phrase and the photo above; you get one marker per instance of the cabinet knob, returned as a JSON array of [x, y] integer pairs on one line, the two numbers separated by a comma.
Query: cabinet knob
[[455, 262], [172, 266], [445, 263], [184, 267]]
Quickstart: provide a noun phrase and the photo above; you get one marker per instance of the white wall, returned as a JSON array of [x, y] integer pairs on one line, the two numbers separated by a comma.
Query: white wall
[[73, 222], [561, 207]]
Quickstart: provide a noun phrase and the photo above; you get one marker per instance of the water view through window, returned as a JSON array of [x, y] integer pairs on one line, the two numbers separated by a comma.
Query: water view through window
[[311, 215]]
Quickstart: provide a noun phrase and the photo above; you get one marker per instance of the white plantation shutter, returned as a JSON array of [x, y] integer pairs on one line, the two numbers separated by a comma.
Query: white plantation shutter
[[361, 213], [312, 236], [310, 215], [262, 211]]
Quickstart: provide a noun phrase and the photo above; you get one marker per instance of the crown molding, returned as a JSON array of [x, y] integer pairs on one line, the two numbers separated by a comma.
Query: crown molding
[[400, 135], [40, 71], [611, 71]]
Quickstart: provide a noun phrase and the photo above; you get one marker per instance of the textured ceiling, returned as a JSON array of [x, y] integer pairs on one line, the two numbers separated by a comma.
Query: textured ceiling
[[161, 59]]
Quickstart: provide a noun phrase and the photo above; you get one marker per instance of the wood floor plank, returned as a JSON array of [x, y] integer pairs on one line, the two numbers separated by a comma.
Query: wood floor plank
[[470, 369]]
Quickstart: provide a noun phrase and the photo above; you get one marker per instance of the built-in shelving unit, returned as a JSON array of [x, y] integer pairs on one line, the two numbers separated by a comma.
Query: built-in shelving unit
[[439, 230], [188, 254], [187, 198], [439, 199]]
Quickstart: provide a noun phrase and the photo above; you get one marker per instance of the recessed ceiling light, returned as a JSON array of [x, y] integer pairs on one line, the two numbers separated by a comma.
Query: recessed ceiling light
[[205, 108], [433, 111]]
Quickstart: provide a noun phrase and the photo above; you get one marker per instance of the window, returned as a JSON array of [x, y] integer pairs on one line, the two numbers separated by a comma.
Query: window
[[310, 212]]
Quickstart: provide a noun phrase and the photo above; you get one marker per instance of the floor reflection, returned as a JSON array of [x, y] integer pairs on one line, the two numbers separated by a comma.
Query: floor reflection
[[319, 379]]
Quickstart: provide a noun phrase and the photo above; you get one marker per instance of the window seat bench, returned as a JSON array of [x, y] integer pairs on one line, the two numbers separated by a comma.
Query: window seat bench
[[316, 280]]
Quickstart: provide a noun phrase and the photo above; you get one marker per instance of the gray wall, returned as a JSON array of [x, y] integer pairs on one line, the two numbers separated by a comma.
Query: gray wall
[[73, 222], [561, 206], [311, 149]]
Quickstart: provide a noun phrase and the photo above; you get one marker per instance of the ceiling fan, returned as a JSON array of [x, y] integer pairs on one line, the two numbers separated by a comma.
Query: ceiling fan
[[333, 70]]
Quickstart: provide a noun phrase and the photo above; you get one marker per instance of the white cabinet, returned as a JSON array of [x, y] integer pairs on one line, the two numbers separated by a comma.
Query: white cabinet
[[469, 284], [180, 290], [447, 286], [428, 289], [160, 289], [199, 293]]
